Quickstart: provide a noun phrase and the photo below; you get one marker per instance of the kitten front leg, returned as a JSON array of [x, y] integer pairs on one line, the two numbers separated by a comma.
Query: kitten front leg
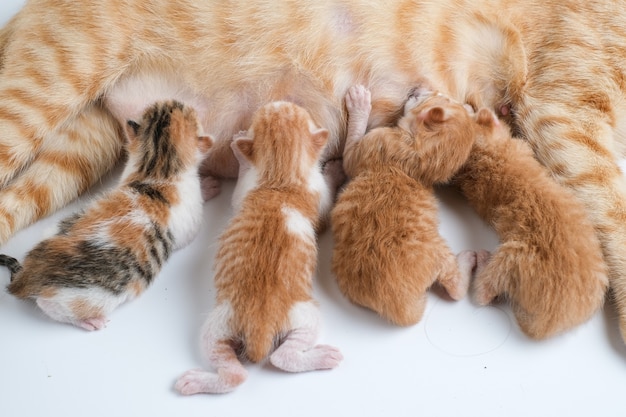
[[359, 106], [298, 352]]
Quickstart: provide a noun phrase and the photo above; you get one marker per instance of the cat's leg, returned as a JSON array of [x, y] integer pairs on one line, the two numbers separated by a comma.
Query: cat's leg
[[81, 151], [359, 106], [298, 352], [576, 143], [220, 352], [485, 289], [456, 273]]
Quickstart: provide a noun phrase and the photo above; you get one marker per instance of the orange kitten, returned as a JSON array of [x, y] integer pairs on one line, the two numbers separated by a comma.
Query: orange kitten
[[549, 263], [554, 68], [388, 250], [267, 256]]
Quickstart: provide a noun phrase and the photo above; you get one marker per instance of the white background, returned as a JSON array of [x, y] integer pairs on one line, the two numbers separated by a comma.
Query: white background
[[461, 359]]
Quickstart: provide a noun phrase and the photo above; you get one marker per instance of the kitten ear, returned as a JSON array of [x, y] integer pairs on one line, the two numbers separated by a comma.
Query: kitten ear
[[205, 143], [242, 148], [436, 115], [132, 129], [319, 138], [486, 117]]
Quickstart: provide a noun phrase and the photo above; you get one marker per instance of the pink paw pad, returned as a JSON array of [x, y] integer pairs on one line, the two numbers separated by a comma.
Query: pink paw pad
[[95, 323]]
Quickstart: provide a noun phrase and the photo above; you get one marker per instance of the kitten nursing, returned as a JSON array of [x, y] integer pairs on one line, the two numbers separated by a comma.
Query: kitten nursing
[[111, 251], [388, 251], [549, 263], [267, 255]]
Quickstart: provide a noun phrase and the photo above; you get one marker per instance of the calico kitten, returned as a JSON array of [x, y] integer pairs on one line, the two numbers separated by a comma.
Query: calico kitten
[[267, 256], [388, 250], [549, 263], [111, 251]]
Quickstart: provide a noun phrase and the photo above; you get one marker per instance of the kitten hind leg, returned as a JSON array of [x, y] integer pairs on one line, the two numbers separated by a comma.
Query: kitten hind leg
[[457, 272], [298, 352], [486, 286], [219, 349]]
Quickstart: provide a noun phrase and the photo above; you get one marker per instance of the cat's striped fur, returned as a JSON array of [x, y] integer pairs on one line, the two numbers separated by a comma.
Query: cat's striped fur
[[112, 250], [267, 256], [557, 65]]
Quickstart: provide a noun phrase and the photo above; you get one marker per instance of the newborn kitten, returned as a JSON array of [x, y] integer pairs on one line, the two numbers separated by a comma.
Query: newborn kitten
[[549, 263], [388, 250], [267, 255], [111, 251]]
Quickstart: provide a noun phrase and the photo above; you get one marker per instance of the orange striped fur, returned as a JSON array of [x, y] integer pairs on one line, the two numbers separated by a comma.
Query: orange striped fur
[[549, 263], [388, 250], [268, 255], [553, 68]]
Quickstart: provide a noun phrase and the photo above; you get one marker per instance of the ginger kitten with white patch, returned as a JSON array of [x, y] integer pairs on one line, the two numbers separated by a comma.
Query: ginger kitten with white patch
[[267, 256], [388, 250], [549, 263], [112, 250]]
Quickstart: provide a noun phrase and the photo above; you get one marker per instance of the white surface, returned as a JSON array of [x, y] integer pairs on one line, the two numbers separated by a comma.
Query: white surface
[[459, 360]]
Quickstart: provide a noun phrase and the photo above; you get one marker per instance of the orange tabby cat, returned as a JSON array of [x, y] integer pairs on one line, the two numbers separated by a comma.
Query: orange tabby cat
[[549, 263], [388, 250], [555, 67], [267, 255]]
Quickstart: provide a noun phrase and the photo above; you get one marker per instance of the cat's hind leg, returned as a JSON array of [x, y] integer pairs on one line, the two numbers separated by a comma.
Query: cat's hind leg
[[82, 150], [220, 351], [298, 351], [457, 272]]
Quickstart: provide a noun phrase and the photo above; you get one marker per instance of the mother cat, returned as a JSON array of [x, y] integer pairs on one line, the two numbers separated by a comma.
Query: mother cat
[[556, 69]]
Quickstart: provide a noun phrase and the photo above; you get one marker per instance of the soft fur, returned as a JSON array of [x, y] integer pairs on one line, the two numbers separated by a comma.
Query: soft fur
[[112, 250], [268, 254], [555, 68], [549, 263], [388, 250]]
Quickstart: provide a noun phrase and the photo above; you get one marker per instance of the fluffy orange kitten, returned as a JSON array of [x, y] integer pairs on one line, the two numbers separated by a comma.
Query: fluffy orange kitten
[[388, 250], [70, 69], [549, 263], [267, 256]]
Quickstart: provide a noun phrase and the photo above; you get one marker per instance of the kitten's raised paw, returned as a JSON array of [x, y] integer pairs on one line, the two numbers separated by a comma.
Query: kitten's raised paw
[[358, 101], [317, 358], [211, 187]]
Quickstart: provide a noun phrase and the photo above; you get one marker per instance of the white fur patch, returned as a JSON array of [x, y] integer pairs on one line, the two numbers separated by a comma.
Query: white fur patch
[[298, 224], [318, 184], [246, 182], [186, 217], [305, 314]]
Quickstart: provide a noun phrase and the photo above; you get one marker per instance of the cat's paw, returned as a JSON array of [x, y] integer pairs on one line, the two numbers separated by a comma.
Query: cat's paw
[[94, 323], [317, 358], [358, 101], [198, 381], [466, 261], [210, 187], [484, 292]]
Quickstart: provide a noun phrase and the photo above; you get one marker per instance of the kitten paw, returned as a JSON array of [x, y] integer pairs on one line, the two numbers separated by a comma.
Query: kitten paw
[[358, 101], [95, 323], [466, 261], [317, 358], [210, 187], [484, 293], [198, 381]]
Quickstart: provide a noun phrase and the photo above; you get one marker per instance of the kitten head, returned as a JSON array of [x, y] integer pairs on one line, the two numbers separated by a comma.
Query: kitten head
[[282, 144], [441, 131], [166, 141]]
